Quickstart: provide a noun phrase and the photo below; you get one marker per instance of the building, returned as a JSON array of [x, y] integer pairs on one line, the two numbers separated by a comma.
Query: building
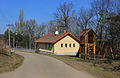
[[59, 44], [87, 41]]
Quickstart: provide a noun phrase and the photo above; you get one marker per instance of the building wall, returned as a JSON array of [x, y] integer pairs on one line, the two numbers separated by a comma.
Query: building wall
[[45, 47], [58, 50]]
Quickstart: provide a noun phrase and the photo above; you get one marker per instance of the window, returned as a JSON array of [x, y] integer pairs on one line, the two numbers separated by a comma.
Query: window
[[73, 45], [69, 45], [65, 45], [61, 45]]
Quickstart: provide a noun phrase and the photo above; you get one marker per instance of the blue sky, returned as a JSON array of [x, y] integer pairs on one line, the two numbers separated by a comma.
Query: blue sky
[[41, 10]]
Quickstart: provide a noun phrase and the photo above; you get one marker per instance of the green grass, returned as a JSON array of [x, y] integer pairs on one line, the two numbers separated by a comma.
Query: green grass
[[9, 63], [100, 68]]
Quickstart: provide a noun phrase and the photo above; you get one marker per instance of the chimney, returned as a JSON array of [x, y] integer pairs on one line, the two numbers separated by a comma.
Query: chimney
[[64, 31]]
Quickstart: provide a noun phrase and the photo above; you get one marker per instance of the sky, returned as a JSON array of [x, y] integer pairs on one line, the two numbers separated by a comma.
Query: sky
[[40, 10]]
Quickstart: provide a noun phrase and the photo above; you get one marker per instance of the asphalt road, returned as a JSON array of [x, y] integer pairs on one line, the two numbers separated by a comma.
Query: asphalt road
[[41, 66]]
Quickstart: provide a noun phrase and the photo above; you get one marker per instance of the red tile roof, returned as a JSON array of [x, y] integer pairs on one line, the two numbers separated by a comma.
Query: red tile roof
[[52, 38], [84, 32]]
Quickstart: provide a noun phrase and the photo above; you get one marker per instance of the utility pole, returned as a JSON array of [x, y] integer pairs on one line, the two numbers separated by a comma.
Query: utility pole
[[29, 40], [16, 39], [13, 40], [13, 37], [9, 36]]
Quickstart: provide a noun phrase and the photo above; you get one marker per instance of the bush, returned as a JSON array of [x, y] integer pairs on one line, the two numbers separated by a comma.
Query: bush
[[37, 51]]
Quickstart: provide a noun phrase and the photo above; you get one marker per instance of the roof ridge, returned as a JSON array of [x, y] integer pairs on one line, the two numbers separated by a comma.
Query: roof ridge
[[86, 31]]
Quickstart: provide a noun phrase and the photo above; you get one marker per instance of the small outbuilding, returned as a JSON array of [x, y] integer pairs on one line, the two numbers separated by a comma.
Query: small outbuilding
[[87, 41], [59, 44]]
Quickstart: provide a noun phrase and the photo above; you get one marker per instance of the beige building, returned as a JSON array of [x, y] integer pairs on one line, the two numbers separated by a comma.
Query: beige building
[[61, 44]]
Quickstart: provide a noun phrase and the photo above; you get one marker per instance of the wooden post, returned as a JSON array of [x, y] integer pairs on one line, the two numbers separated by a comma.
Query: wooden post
[[86, 43], [111, 52], [106, 50], [94, 45], [89, 51], [80, 51], [85, 50]]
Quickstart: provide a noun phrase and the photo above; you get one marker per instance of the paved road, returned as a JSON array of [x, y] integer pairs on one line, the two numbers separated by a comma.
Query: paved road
[[41, 66]]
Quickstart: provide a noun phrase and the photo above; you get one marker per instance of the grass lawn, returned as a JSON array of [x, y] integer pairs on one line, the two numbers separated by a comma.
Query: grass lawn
[[9, 63], [102, 68]]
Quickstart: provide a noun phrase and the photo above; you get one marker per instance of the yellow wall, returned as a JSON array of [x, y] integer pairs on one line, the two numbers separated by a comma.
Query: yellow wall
[[66, 50], [45, 47]]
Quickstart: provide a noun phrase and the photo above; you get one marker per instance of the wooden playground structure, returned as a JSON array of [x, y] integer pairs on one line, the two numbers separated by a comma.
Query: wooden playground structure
[[88, 45], [87, 42]]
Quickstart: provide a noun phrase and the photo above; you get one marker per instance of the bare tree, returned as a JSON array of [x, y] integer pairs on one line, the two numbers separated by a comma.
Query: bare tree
[[83, 18], [21, 16], [51, 27], [64, 16], [20, 23], [29, 29], [40, 30], [102, 9]]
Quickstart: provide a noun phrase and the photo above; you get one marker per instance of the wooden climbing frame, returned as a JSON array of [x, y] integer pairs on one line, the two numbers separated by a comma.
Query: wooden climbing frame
[[88, 42]]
